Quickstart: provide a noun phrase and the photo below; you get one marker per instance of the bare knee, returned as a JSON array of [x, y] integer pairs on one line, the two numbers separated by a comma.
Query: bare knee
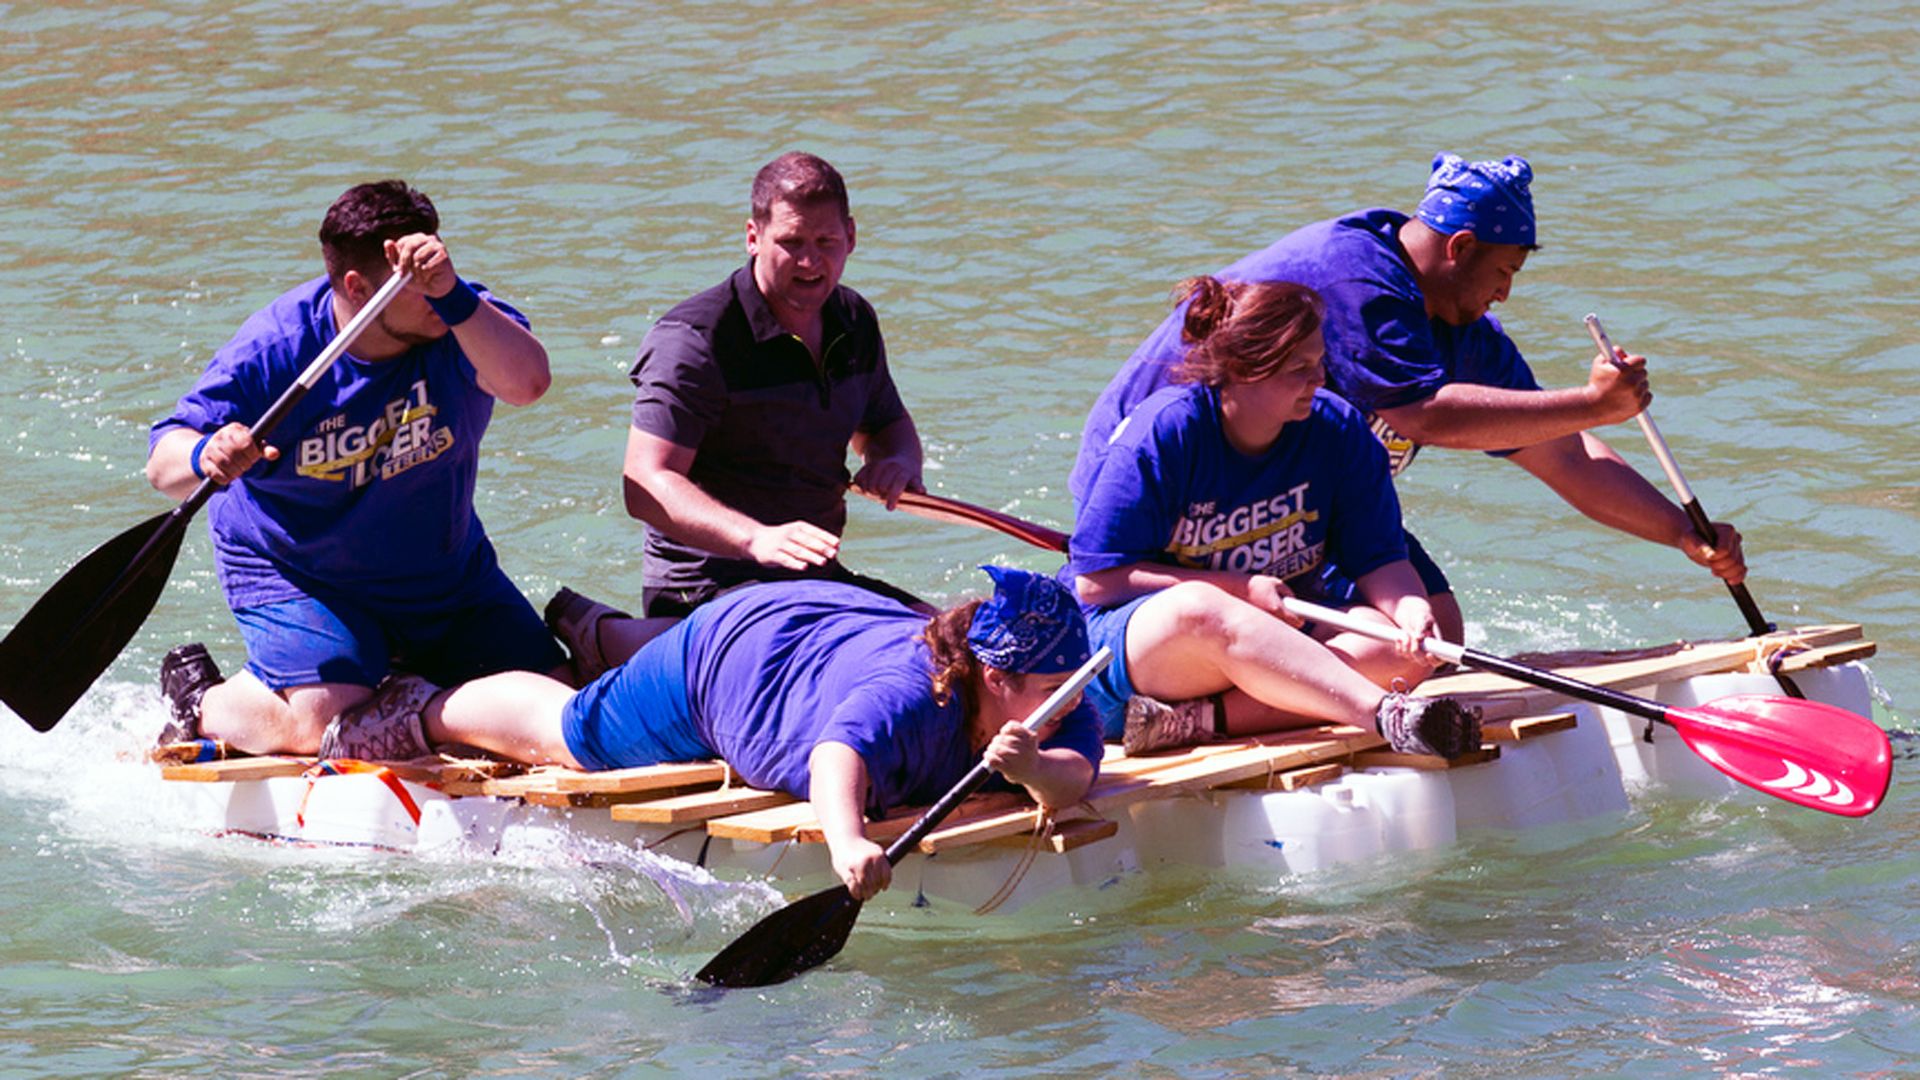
[[250, 717], [1195, 610]]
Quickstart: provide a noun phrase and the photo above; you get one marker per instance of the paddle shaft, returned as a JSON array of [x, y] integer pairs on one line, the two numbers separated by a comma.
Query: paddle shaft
[[1056, 703], [1499, 665], [177, 518], [1757, 623]]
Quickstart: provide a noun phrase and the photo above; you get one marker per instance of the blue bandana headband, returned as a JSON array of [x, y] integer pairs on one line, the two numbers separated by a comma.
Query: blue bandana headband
[[1030, 625], [1493, 200]]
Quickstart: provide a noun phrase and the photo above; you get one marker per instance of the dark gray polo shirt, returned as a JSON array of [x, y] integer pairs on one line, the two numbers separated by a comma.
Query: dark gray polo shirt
[[768, 428]]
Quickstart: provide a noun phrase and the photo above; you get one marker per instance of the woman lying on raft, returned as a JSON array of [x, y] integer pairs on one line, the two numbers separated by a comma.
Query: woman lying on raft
[[1220, 497], [825, 691]]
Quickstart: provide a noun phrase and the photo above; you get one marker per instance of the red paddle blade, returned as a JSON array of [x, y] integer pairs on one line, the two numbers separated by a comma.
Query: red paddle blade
[[1809, 753]]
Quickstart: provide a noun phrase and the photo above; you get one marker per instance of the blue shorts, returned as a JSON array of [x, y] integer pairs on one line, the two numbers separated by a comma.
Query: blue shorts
[[1429, 571], [1109, 690], [638, 713], [306, 641]]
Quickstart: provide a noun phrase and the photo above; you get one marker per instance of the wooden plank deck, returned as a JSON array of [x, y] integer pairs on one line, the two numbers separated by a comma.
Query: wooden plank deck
[[708, 794]]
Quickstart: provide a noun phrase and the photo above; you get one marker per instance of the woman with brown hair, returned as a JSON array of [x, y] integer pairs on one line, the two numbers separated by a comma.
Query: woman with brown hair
[[1218, 498], [824, 690]]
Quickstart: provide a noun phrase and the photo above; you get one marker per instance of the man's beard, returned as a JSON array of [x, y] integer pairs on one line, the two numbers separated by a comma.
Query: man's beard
[[405, 337]]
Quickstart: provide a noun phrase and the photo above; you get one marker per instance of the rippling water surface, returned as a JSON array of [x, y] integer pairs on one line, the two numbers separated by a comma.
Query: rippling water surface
[[1726, 183]]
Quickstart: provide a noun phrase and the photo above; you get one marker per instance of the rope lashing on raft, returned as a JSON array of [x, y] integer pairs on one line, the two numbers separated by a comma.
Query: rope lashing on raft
[[1042, 832], [1774, 649]]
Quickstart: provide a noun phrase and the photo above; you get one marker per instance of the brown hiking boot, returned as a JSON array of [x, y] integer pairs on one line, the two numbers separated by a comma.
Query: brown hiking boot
[[187, 672], [389, 726], [1158, 725], [1436, 726]]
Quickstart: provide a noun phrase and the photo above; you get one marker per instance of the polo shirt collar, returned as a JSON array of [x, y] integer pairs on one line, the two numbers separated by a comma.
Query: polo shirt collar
[[765, 325]]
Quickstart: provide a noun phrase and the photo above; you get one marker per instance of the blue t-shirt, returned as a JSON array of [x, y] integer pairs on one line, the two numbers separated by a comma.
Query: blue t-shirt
[[1172, 490], [372, 496], [774, 670], [1382, 349]]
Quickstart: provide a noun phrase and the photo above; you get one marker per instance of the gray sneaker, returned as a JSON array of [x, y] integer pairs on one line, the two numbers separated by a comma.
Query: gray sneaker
[[389, 726], [1436, 726], [1158, 725]]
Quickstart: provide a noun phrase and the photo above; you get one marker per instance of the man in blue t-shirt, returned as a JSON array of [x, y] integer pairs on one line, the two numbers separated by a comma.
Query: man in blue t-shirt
[[347, 542], [1411, 344]]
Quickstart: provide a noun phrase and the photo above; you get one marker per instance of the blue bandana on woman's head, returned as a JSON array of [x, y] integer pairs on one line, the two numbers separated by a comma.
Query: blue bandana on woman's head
[[1030, 625], [1490, 199]]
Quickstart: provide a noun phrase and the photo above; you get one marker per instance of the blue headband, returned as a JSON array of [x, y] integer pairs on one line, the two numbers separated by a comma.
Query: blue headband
[[1490, 199], [1030, 625]]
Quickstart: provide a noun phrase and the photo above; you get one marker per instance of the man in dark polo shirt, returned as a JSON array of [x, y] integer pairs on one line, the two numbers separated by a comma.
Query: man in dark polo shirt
[[749, 395]]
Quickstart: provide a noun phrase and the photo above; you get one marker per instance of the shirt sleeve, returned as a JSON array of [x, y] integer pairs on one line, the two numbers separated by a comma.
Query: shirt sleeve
[[678, 389], [1382, 344], [886, 728], [1080, 732], [1130, 509], [232, 388], [1365, 532], [884, 406]]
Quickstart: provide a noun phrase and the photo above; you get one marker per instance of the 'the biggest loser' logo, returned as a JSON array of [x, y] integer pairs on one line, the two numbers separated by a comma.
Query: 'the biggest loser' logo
[[400, 438], [1268, 536]]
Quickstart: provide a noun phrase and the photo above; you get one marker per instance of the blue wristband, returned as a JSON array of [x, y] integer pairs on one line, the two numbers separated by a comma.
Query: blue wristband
[[458, 305], [193, 459]]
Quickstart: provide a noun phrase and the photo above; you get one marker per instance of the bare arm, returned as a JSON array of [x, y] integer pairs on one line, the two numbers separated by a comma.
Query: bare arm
[[1595, 481], [1468, 416], [892, 462], [510, 362], [659, 492], [230, 452], [1395, 590], [1056, 777], [837, 790]]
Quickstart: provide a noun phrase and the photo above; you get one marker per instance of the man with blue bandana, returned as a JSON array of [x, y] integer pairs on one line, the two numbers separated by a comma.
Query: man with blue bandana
[[1410, 342], [825, 690]]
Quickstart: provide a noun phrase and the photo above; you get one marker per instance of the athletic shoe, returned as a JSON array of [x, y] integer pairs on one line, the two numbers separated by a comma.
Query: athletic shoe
[[186, 674], [575, 620], [1157, 725], [389, 726], [1436, 726]]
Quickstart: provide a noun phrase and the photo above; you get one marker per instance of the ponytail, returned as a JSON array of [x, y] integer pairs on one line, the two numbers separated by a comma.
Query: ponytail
[[1242, 332]]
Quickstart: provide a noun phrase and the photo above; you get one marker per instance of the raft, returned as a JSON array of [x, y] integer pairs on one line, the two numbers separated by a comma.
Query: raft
[[1283, 804]]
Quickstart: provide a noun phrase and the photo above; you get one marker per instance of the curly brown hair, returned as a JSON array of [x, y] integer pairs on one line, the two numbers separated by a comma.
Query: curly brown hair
[[954, 665]]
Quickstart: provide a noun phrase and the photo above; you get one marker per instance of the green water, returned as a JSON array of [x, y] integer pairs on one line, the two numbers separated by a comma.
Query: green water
[[1727, 184]]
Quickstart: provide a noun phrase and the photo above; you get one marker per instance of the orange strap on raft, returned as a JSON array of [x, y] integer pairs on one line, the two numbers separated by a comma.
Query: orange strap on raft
[[345, 766]]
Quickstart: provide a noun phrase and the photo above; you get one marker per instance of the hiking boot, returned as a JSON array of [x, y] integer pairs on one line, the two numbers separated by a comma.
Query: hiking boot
[[575, 620], [389, 726], [1436, 726], [186, 674], [1158, 725]]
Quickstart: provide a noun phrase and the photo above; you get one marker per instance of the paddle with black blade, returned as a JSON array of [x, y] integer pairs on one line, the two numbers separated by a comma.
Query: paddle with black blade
[[1761, 740], [1757, 623], [1758, 739], [810, 932], [62, 645]]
